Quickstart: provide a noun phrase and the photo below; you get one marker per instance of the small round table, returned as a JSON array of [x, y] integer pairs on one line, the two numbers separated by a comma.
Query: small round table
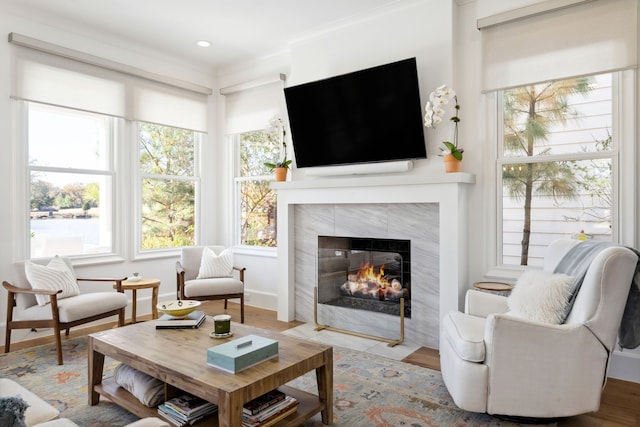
[[494, 287], [144, 283]]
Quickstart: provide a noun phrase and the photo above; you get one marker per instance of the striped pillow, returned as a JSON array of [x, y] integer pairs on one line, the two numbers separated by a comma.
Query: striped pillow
[[54, 276], [212, 265]]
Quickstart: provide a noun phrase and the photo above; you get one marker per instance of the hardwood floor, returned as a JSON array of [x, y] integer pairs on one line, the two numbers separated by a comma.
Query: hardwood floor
[[620, 406]]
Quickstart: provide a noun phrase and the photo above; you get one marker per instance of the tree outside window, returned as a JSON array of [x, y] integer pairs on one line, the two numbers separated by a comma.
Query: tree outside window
[[556, 165], [169, 180]]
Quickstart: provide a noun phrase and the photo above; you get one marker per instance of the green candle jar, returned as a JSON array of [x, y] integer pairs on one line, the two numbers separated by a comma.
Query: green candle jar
[[222, 324]]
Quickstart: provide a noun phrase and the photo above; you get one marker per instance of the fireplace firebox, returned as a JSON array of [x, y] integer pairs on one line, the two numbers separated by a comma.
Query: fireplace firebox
[[365, 273]]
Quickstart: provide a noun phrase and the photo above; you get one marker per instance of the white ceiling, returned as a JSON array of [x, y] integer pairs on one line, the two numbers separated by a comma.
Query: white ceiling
[[238, 29]]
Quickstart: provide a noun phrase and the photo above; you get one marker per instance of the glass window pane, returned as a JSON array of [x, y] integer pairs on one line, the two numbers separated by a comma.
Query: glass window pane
[[70, 214], [59, 137], [256, 148], [564, 117], [258, 214], [549, 200], [166, 150], [168, 213]]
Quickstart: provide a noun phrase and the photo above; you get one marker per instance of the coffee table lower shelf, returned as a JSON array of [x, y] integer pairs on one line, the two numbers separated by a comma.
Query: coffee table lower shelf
[[308, 406]]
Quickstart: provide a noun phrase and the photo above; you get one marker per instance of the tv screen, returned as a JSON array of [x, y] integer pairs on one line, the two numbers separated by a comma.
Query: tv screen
[[371, 115]]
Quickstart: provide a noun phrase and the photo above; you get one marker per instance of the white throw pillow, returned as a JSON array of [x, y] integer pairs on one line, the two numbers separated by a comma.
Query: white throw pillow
[[54, 276], [540, 296], [212, 265]]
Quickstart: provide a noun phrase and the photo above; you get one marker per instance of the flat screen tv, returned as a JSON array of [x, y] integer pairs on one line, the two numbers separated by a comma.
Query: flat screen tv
[[371, 115]]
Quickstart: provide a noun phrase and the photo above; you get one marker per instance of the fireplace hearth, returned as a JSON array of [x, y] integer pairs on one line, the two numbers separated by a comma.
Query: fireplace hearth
[[364, 273]]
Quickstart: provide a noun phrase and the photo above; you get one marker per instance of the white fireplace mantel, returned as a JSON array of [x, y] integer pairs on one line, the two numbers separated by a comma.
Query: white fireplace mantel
[[447, 190]]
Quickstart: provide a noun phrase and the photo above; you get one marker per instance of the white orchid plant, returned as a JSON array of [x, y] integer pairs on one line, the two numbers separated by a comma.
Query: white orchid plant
[[278, 133], [434, 110]]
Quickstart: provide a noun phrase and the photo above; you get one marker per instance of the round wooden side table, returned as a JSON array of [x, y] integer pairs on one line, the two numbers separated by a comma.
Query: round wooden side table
[[494, 287], [144, 283]]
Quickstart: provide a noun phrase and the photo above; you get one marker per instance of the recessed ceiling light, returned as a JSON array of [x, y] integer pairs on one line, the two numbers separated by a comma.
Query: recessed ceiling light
[[203, 43]]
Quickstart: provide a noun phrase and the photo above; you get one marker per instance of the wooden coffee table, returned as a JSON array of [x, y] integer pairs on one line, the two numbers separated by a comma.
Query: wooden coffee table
[[178, 357]]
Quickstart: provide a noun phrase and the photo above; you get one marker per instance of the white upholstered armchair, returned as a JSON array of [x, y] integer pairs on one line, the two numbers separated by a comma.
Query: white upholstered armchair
[[496, 359], [207, 273], [50, 296]]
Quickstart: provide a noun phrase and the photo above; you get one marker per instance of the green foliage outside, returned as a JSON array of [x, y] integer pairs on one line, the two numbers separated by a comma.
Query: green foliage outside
[[257, 199], [167, 159]]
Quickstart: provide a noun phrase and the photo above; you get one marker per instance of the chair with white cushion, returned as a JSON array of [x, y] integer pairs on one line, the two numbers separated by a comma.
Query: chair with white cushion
[[543, 351], [49, 296], [207, 273]]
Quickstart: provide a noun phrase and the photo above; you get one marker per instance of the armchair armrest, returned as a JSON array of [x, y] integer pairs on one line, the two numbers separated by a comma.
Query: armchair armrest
[[538, 354], [116, 282], [179, 280], [241, 270], [482, 304], [16, 290]]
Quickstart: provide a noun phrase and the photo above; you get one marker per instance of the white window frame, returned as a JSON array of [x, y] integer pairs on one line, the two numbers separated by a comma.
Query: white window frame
[[22, 195], [137, 193], [234, 140], [624, 229]]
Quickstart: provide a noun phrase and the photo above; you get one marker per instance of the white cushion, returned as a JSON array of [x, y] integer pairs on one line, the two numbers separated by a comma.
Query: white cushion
[[212, 265], [215, 286], [147, 389], [540, 296], [38, 411], [465, 334], [54, 276]]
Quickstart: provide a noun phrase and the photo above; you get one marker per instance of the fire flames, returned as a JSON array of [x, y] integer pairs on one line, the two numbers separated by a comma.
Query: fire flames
[[369, 283]]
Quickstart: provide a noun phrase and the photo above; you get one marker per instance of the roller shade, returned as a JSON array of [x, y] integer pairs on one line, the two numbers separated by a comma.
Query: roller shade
[[251, 109], [59, 80], [587, 38]]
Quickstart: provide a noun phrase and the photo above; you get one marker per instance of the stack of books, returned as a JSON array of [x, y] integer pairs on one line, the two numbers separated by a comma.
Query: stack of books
[[268, 409], [192, 321], [186, 409]]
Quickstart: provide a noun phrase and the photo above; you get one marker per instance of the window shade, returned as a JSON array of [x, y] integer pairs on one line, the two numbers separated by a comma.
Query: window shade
[[56, 80], [251, 109], [589, 38]]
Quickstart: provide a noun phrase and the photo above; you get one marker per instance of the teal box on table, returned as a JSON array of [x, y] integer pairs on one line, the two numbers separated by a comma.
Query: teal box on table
[[242, 353]]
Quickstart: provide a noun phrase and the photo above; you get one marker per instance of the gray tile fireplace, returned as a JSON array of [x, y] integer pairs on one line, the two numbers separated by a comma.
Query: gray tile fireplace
[[415, 223], [430, 212]]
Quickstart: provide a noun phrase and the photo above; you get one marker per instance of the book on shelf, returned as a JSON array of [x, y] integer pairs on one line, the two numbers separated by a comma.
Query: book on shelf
[[190, 405], [180, 420], [289, 405], [262, 402], [192, 320], [186, 409], [284, 413]]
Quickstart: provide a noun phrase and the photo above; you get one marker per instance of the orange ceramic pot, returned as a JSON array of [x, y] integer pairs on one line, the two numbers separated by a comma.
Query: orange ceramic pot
[[281, 174], [451, 164]]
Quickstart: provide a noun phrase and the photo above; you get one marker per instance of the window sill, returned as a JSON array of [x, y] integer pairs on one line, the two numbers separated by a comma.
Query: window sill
[[256, 251]]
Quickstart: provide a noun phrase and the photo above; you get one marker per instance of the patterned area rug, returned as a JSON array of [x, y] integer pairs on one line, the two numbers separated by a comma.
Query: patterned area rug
[[369, 390]]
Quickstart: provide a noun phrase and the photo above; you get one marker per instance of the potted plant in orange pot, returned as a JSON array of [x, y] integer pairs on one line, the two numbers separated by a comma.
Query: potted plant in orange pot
[[278, 133], [434, 110]]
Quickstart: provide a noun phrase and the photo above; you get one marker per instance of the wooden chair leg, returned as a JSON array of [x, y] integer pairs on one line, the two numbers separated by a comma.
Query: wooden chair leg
[[56, 332], [242, 309], [66, 332], [225, 304], [7, 339]]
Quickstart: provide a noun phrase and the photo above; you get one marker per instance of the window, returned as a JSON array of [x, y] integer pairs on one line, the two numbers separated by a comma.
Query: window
[[91, 127], [71, 181], [169, 185], [256, 199], [557, 163]]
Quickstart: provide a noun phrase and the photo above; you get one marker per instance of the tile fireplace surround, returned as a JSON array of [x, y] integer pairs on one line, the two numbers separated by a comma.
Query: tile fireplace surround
[[403, 207]]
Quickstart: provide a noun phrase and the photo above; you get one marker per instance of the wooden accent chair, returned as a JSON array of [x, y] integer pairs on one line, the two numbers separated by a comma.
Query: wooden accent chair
[[225, 287], [24, 312]]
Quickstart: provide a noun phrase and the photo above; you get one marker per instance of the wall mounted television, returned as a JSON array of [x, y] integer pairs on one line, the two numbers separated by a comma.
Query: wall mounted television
[[371, 115]]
